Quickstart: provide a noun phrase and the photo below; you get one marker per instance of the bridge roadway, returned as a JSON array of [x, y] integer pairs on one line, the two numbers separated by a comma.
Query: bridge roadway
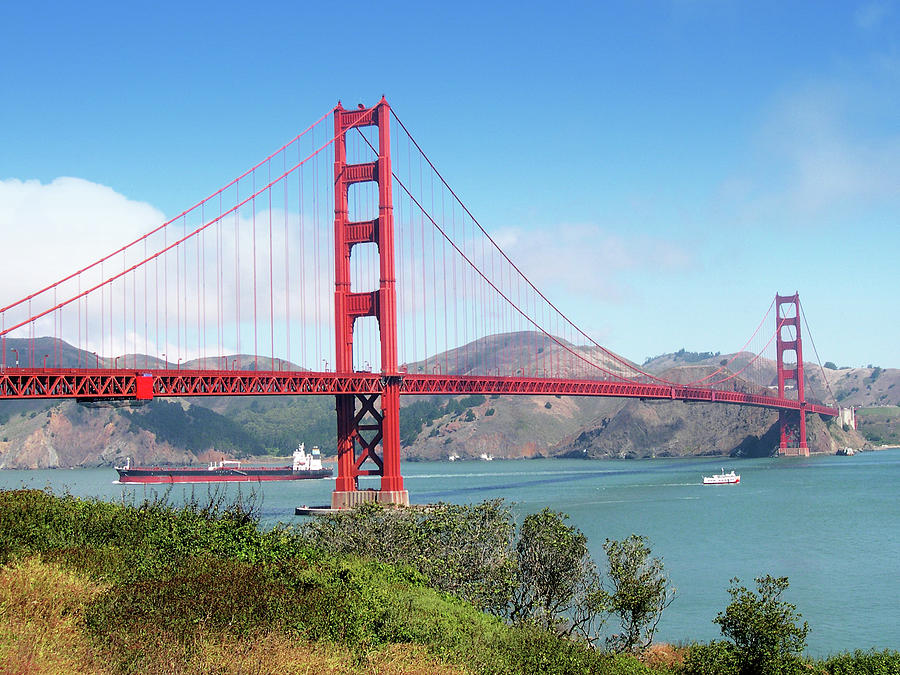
[[136, 384]]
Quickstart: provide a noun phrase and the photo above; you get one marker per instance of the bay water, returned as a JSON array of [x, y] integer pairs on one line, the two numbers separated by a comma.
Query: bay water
[[831, 524]]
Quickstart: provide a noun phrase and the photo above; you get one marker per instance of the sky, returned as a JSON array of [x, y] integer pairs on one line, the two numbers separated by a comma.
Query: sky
[[660, 169]]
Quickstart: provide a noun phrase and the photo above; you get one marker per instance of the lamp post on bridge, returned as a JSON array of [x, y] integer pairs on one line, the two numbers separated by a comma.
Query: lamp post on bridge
[[45, 361], [16, 352]]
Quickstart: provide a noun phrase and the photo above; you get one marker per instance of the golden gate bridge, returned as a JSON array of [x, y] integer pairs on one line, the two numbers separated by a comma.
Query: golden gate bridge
[[343, 264]]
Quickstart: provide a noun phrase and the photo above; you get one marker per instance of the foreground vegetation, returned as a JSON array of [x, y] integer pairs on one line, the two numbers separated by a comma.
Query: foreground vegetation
[[94, 587]]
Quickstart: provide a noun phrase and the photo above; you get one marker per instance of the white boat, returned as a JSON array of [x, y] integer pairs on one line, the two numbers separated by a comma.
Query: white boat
[[723, 478]]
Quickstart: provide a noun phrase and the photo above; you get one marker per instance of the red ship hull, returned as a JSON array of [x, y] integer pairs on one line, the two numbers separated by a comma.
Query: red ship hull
[[198, 475]]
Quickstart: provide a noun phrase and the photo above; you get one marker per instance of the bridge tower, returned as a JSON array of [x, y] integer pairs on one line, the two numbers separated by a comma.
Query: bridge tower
[[792, 422], [365, 422]]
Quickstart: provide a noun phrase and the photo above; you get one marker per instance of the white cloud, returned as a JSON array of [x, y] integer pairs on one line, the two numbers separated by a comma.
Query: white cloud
[[50, 230], [54, 229], [820, 156], [871, 15], [828, 163], [586, 259], [184, 303]]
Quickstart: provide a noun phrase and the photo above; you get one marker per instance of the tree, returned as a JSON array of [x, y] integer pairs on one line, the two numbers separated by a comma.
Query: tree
[[640, 592], [767, 638], [831, 365], [558, 587]]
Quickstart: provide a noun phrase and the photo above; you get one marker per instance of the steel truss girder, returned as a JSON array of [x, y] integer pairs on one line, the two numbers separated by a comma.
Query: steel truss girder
[[368, 445], [444, 384], [18, 383]]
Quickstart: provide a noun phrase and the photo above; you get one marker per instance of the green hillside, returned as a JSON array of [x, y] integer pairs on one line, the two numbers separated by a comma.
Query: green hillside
[[880, 426]]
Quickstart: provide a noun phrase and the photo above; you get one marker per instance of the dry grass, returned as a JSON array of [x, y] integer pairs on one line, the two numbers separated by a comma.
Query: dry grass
[[41, 606], [223, 654], [280, 654], [662, 656]]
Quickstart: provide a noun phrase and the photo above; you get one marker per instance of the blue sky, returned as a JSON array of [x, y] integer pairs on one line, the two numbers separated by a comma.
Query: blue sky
[[704, 154]]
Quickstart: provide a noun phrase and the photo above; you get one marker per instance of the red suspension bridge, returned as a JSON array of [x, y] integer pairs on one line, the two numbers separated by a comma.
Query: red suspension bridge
[[343, 264]]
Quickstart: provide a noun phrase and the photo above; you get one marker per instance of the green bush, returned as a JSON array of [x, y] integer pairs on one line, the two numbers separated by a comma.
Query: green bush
[[768, 638], [861, 662], [640, 592], [528, 649], [715, 658], [460, 549], [150, 535], [557, 584]]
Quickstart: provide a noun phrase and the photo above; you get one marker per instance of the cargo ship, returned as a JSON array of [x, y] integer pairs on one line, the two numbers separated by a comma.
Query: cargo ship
[[305, 465]]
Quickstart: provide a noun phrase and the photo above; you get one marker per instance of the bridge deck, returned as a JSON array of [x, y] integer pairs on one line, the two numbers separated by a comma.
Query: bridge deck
[[122, 384]]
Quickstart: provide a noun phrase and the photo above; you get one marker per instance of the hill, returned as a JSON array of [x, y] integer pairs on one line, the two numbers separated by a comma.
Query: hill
[[40, 434]]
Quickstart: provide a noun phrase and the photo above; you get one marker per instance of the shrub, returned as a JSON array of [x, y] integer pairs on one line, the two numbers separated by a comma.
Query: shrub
[[640, 592], [558, 587], [716, 658], [460, 549], [528, 649], [767, 638], [863, 663]]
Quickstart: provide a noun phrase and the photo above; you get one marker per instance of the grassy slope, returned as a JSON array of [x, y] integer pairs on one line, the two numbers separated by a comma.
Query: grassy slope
[[90, 587], [42, 614]]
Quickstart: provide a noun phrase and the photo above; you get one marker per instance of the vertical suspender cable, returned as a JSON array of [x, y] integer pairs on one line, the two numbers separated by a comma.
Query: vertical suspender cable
[[271, 278], [287, 262], [255, 292]]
